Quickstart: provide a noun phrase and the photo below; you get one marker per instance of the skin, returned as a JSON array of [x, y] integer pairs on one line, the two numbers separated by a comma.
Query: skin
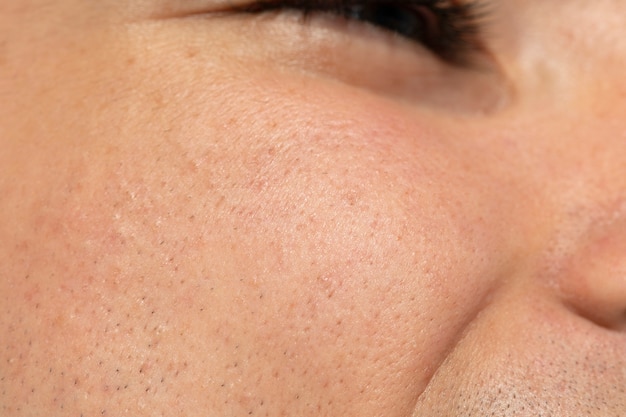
[[229, 215]]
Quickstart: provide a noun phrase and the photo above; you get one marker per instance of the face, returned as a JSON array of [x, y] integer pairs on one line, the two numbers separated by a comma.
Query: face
[[227, 214]]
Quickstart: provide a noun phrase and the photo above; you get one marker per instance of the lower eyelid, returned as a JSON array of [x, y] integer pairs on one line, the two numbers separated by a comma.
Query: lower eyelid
[[449, 29], [325, 31], [334, 51], [366, 58]]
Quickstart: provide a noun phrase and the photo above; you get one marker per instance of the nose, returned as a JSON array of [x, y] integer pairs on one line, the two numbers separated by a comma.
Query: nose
[[592, 277]]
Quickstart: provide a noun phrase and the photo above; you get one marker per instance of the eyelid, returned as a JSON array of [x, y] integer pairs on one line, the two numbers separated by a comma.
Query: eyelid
[[343, 53], [454, 35]]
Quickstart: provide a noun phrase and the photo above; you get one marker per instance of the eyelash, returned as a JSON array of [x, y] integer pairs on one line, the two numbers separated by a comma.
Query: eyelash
[[448, 28]]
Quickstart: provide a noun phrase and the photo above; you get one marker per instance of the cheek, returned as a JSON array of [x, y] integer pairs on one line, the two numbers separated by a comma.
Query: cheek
[[328, 259], [329, 250]]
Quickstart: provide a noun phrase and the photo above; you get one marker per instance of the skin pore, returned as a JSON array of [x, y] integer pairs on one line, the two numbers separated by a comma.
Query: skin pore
[[209, 214]]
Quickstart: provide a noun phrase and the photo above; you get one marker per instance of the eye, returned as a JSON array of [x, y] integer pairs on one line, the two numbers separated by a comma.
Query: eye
[[413, 23], [448, 28]]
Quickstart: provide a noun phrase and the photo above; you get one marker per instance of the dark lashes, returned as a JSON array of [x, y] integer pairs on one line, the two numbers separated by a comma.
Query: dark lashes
[[454, 36]]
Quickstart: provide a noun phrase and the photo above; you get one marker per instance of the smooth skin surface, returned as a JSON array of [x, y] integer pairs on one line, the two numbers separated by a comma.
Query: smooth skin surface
[[228, 215]]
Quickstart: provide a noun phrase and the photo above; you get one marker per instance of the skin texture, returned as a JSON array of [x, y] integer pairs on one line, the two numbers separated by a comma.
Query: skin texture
[[229, 215]]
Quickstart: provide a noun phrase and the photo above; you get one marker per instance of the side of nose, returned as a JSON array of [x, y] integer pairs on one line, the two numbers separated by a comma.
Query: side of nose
[[592, 278]]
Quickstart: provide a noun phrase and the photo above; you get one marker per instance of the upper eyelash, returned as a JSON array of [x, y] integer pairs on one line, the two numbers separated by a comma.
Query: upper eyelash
[[460, 23]]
